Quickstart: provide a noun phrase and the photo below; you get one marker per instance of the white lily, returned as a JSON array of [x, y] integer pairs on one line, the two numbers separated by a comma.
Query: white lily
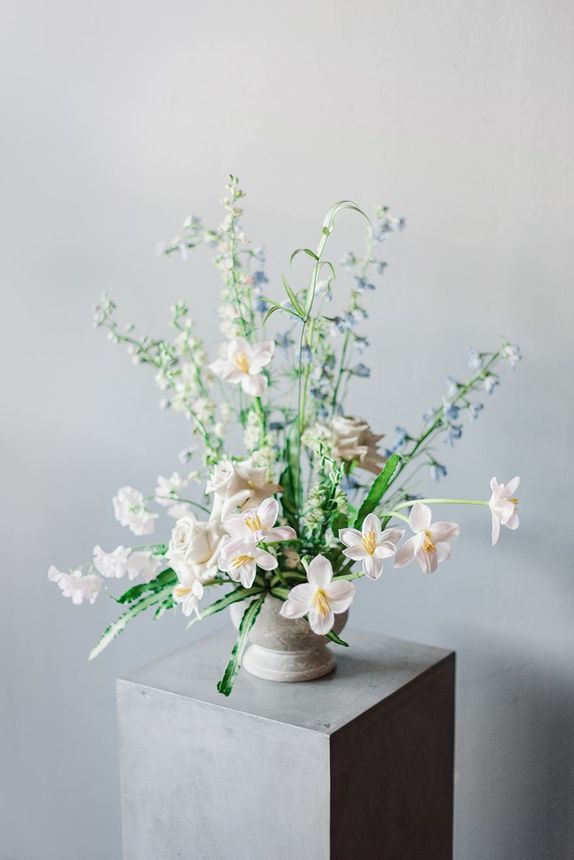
[[240, 559], [371, 545], [188, 591], [503, 505], [258, 524], [431, 542], [320, 598], [244, 364]]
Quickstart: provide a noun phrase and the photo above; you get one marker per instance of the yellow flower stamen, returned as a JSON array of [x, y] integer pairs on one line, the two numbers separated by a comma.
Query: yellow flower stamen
[[241, 363], [514, 502], [321, 602], [181, 591], [428, 543], [240, 560], [370, 542], [253, 523]]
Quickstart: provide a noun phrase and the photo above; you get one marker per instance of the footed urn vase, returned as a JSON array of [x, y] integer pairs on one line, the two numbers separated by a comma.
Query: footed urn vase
[[283, 649]]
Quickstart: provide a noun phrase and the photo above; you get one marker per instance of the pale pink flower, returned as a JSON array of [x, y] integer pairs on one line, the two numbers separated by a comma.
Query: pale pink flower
[[431, 542], [244, 363], [503, 505], [321, 598], [371, 545]]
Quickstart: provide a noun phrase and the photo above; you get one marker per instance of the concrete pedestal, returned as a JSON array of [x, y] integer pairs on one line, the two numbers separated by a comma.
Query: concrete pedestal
[[355, 766]]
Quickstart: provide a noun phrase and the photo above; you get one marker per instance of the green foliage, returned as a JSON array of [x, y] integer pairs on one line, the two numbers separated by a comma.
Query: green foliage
[[378, 488], [166, 577], [119, 625], [249, 618], [235, 596], [333, 637]]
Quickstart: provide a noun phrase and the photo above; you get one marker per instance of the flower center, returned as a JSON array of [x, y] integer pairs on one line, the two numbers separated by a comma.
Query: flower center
[[514, 502], [321, 602], [241, 363], [253, 523], [240, 560], [181, 591], [370, 542], [428, 543]]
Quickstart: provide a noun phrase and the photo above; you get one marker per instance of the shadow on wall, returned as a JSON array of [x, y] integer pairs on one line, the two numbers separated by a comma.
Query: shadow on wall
[[515, 752]]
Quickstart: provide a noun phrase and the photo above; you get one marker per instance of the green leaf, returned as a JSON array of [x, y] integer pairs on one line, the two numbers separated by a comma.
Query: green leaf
[[118, 626], [292, 298], [249, 618], [166, 577], [307, 251], [239, 593], [339, 521], [336, 639], [378, 489]]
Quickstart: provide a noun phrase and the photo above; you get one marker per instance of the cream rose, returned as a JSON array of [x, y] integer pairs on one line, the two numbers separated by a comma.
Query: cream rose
[[352, 439], [194, 548], [238, 485]]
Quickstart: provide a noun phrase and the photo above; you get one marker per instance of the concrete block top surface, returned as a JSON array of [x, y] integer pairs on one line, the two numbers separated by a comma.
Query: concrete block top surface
[[374, 668]]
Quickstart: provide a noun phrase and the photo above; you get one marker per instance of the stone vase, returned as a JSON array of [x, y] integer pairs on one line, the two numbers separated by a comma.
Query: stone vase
[[281, 649]]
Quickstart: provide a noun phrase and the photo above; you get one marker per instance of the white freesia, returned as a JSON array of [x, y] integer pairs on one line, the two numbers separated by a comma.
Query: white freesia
[[130, 510], [371, 545], [321, 598], [143, 564], [76, 586], [168, 489], [258, 524], [112, 565], [431, 542], [238, 485], [244, 363], [503, 506], [188, 591], [194, 547], [240, 559]]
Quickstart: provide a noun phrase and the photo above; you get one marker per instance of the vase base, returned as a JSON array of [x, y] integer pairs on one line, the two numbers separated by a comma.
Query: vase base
[[288, 666]]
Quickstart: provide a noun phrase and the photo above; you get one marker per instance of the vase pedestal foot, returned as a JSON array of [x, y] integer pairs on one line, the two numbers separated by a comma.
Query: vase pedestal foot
[[356, 764], [288, 666]]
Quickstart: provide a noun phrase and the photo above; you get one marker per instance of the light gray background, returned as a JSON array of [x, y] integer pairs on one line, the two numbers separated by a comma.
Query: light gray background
[[121, 118]]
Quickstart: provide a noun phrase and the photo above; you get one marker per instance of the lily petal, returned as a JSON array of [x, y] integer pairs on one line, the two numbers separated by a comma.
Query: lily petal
[[319, 623], [254, 385], [373, 566], [320, 572], [340, 595], [357, 553], [420, 517], [351, 537], [406, 553]]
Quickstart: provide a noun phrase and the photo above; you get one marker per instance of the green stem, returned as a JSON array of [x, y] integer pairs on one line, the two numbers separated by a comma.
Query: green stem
[[410, 503]]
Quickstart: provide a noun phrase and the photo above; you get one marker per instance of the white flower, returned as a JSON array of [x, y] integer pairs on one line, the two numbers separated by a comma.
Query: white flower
[[258, 524], [144, 565], [431, 543], [320, 598], [240, 559], [511, 353], [130, 509], [503, 506], [76, 586], [244, 364], [188, 591], [238, 485], [111, 564], [169, 488], [194, 547], [370, 545]]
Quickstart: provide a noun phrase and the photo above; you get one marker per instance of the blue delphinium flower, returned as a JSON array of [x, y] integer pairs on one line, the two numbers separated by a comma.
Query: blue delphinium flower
[[430, 415], [380, 266], [362, 284], [452, 387], [259, 278], [401, 437], [261, 306], [348, 260], [490, 384], [438, 471], [451, 412], [306, 353], [474, 360], [361, 342], [474, 410], [453, 433], [284, 341], [361, 370]]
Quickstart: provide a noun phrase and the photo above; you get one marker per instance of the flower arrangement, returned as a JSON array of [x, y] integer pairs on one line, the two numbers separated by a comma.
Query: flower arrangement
[[315, 502]]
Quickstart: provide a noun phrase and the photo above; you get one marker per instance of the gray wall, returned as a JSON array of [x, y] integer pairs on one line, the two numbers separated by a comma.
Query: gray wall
[[119, 119]]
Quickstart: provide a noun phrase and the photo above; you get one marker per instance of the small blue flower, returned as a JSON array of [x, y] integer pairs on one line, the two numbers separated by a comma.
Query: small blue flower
[[453, 433], [430, 415], [361, 342], [259, 254], [348, 260], [451, 412], [259, 278], [349, 484], [398, 442], [306, 353], [284, 341], [381, 265], [474, 410], [438, 471], [474, 360], [261, 306], [276, 425], [490, 384], [318, 393], [362, 284], [361, 370]]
